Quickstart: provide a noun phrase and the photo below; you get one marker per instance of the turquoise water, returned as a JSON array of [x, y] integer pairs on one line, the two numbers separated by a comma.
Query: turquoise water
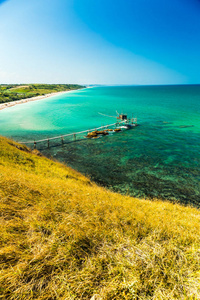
[[159, 158]]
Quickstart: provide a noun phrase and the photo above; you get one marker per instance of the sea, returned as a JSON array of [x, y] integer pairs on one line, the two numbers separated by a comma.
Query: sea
[[158, 159]]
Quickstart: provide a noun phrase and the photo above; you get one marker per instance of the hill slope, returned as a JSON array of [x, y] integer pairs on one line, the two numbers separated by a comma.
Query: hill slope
[[63, 237]]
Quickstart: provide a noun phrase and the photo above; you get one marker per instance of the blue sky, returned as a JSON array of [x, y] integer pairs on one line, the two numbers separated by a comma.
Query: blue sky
[[100, 42]]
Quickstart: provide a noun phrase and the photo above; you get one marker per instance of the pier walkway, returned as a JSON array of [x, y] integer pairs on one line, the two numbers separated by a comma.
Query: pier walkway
[[74, 135]]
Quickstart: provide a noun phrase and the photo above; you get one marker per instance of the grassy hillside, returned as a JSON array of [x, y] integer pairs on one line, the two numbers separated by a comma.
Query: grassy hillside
[[9, 93], [63, 237]]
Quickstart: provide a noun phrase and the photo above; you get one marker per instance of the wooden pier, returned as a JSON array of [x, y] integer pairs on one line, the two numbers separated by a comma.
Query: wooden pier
[[75, 134]]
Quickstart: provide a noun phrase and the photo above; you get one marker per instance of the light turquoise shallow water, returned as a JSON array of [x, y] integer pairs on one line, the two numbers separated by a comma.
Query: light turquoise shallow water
[[159, 158]]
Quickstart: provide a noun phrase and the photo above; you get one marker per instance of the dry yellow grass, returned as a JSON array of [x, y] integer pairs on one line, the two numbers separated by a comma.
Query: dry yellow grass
[[63, 237]]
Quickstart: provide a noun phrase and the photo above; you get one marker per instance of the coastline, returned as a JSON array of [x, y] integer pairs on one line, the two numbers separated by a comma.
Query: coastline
[[26, 100]]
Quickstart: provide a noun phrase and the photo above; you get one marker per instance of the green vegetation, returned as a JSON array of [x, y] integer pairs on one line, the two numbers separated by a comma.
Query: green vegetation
[[63, 237], [9, 93]]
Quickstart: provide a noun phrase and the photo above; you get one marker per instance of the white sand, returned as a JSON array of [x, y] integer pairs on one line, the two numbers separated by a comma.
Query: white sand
[[13, 103]]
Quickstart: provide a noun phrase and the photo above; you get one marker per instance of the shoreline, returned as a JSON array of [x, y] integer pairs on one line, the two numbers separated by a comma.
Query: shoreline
[[26, 100]]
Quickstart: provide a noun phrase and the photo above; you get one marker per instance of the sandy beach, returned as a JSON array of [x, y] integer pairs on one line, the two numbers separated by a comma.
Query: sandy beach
[[13, 103]]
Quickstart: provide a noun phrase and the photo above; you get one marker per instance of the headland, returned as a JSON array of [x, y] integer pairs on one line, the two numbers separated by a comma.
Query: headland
[[11, 95]]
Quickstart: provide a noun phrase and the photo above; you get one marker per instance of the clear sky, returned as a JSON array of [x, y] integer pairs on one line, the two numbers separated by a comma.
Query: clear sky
[[100, 41]]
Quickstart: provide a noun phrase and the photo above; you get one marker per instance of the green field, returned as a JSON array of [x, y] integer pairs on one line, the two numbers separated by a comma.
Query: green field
[[14, 92]]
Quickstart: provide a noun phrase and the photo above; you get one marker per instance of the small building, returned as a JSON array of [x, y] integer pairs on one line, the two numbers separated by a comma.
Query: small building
[[122, 117]]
